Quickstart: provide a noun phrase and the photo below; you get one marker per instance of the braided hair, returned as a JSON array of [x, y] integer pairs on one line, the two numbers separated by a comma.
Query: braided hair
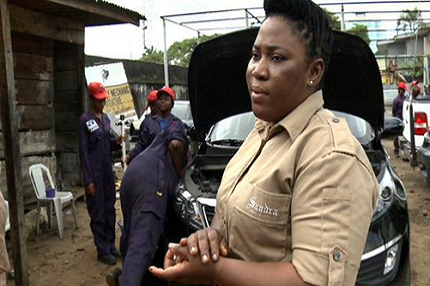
[[309, 21]]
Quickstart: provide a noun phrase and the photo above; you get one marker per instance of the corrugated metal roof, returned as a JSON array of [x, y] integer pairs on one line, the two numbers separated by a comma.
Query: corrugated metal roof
[[89, 12]]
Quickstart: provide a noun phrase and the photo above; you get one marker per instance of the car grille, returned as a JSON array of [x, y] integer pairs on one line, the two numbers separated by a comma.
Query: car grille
[[209, 213], [372, 268]]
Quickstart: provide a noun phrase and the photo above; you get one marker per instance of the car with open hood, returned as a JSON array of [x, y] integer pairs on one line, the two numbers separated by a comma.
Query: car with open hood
[[222, 116]]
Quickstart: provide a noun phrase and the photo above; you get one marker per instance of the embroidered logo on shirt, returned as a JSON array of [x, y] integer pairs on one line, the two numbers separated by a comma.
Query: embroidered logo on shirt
[[92, 125], [263, 209]]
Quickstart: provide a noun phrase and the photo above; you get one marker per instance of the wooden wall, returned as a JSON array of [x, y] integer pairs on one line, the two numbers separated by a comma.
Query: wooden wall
[[34, 80], [69, 92]]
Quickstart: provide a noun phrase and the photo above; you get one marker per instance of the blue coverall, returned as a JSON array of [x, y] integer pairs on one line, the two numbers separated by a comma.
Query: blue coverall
[[150, 128], [95, 146], [146, 195]]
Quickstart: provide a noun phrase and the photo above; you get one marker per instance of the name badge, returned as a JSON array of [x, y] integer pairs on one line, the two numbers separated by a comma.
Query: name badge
[[92, 125]]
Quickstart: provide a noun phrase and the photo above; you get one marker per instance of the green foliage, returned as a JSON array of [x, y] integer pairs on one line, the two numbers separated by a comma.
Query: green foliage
[[361, 31], [152, 55], [410, 19], [333, 19], [179, 53]]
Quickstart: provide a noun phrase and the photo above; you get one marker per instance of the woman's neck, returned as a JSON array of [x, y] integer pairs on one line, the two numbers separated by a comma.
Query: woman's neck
[[164, 115]]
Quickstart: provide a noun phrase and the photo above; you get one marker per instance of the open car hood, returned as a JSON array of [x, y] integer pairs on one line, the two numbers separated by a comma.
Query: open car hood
[[217, 85]]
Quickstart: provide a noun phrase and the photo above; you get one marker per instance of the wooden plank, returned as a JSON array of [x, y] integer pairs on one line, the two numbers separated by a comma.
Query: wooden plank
[[27, 188], [47, 26], [27, 44], [69, 162], [66, 101], [66, 141], [67, 122], [28, 66], [34, 142], [12, 161], [66, 80], [65, 55], [32, 91], [34, 117]]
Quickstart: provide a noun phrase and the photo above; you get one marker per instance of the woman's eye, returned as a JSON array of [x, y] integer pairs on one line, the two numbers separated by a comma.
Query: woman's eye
[[255, 56], [278, 58]]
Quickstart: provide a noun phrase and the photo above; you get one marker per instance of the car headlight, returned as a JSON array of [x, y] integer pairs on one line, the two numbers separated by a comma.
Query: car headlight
[[387, 188], [187, 208]]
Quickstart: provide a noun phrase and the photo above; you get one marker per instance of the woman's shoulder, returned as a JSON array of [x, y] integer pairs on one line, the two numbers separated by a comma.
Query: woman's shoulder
[[327, 133]]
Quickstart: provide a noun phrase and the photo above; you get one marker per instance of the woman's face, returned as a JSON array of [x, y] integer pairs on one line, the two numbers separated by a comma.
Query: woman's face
[[164, 102], [98, 105], [279, 73]]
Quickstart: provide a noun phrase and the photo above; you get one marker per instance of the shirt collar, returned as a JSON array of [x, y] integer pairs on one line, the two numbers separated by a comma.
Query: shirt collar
[[295, 121]]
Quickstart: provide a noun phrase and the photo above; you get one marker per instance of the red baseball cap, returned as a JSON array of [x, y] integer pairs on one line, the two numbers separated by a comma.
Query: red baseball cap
[[97, 90], [167, 90], [152, 96], [403, 86]]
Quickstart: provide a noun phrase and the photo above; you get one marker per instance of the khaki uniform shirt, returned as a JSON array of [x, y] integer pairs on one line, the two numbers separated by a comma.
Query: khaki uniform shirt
[[300, 191]]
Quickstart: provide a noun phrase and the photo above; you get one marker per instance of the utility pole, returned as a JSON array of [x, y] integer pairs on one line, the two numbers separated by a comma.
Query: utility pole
[[426, 63], [342, 18], [166, 66]]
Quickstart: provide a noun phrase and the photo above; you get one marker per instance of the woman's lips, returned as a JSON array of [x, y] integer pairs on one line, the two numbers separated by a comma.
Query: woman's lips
[[257, 93]]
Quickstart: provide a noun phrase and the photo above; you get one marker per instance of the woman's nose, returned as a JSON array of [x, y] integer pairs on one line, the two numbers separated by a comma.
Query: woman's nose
[[260, 70]]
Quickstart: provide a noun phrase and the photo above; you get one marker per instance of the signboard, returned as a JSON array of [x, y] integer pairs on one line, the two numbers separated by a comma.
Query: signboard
[[114, 79]]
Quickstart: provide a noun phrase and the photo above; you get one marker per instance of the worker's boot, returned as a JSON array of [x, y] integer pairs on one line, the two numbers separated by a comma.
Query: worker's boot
[[108, 259], [112, 279]]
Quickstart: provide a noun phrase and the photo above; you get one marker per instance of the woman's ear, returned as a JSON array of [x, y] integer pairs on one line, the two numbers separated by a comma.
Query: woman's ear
[[316, 71]]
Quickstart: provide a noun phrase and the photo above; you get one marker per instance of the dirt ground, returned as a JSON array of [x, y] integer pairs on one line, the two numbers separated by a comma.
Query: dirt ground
[[71, 261]]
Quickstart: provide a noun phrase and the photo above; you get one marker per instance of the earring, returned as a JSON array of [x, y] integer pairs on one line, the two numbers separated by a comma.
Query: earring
[[311, 82]]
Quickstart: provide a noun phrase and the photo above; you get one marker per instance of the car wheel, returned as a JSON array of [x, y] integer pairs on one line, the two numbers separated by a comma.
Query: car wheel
[[428, 176]]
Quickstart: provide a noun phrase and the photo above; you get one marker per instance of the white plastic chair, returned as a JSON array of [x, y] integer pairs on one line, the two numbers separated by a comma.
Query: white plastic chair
[[37, 172], [7, 216]]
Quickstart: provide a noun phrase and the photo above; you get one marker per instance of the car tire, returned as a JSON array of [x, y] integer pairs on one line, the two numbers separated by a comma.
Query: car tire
[[428, 176]]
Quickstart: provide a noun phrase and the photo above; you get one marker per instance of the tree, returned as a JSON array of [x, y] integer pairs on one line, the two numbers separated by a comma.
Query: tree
[[361, 31], [333, 19], [179, 53], [410, 19], [152, 55]]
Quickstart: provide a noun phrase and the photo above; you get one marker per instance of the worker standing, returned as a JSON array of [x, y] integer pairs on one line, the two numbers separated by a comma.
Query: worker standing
[[95, 146]]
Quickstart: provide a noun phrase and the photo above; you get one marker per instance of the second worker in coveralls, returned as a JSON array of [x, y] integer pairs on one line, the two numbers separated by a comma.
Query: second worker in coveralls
[[95, 146], [154, 124], [147, 193]]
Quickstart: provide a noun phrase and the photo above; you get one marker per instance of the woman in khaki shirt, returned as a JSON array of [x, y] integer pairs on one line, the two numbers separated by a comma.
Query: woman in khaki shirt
[[296, 201]]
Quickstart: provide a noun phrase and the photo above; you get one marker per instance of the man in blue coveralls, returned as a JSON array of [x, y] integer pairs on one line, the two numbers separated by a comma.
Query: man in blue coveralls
[[147, 194], [95, 146]]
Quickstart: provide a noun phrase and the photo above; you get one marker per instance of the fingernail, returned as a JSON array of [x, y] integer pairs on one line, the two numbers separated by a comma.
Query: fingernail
[[205, 258], [214, 257], [151, 268], [193, 250]]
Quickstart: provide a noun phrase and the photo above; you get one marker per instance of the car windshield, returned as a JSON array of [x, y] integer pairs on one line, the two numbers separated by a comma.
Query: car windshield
[[232, 130], [359, 127], [182, 111]]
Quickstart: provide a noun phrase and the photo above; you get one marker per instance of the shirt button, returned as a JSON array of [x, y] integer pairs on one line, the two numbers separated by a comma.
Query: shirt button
[[337, 256], [335, 120]]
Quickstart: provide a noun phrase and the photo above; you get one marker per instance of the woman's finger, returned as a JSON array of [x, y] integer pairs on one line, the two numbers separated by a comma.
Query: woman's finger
[[214, 239], [192, 243], [203, 242]]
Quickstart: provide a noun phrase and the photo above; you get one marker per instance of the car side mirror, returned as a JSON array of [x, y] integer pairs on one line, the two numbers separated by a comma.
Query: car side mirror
[[393, 126]]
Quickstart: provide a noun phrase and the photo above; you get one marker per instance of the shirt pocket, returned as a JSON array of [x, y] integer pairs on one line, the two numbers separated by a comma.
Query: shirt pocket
[[259, 225]]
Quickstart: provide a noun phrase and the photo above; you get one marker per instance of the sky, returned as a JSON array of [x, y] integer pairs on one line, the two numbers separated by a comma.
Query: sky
[[126, 41]]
